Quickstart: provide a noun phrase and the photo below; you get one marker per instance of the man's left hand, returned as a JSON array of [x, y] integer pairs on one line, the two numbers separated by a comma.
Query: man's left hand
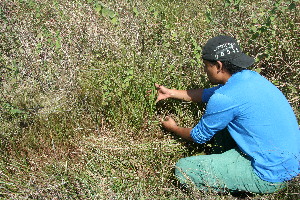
[[169, 123]]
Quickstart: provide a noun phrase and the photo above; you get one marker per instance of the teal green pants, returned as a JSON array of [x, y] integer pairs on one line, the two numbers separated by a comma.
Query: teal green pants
[[227, 171]]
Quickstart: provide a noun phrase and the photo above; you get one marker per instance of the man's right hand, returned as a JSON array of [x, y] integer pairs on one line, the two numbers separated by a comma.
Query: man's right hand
[[194, 95], [162, 92]]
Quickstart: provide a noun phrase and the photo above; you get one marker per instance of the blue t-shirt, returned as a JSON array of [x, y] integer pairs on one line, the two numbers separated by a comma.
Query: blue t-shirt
[[260, 120]]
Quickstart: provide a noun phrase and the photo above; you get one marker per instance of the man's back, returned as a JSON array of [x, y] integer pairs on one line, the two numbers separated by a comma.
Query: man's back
[[263, 124]]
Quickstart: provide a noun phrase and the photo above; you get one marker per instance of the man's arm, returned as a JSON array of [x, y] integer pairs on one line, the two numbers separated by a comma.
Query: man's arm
[[169, 124], [194, 95]]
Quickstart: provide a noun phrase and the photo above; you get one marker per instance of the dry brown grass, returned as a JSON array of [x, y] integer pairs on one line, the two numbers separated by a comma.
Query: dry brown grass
[[76, 121]]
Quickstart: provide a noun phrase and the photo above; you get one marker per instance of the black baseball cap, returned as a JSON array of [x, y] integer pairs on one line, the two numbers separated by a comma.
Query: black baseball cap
[[226, 48]]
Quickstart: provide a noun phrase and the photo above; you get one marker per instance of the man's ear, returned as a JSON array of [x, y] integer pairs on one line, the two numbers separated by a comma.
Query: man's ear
[[220, 66]]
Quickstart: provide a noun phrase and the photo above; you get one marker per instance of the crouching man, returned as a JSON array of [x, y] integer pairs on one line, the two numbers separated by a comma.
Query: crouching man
[[259, 132]]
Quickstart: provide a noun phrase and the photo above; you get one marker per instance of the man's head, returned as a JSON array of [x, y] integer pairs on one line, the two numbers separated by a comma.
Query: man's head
[[222, 57], [226, 49]]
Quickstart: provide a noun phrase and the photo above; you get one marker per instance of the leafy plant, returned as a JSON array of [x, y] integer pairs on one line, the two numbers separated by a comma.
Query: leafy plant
[[107, 13]]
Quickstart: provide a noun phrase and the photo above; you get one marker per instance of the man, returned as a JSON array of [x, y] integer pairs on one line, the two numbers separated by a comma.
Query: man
[[254, 112]]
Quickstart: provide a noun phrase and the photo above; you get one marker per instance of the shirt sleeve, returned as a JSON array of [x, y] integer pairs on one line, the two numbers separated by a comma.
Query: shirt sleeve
[[207, 93], [220, 111]]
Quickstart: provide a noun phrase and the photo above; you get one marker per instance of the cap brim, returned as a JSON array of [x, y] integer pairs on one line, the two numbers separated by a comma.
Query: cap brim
[[243, 61]]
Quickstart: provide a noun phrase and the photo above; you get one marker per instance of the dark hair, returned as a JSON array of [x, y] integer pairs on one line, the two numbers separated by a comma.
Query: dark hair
[[231, 68]]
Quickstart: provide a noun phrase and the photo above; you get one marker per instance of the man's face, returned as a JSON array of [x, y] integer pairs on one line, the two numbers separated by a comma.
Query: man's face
[[212, 72]]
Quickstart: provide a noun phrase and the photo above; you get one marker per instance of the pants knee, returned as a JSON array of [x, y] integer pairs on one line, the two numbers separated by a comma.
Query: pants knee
[[181, 164]]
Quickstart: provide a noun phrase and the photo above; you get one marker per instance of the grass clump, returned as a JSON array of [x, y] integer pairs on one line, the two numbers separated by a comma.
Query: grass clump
[[78, 119]]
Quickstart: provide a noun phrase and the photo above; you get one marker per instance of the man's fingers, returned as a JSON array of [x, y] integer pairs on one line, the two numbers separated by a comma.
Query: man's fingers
[[157, 86], [161, 92], [164, 118], [167, 118]]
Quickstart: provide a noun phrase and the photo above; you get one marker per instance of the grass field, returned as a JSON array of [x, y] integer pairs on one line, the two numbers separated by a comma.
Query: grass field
[[78, 118]]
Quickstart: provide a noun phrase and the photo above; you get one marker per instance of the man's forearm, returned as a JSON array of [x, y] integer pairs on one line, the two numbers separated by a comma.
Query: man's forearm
[[194, 95], [182, 132]]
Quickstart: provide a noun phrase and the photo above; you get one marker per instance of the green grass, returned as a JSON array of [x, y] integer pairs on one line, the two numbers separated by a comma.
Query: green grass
[[78, 119]]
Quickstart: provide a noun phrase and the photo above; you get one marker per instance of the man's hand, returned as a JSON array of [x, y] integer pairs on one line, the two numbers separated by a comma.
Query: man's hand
[[194, 95], [163, 92], [170, 125]]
